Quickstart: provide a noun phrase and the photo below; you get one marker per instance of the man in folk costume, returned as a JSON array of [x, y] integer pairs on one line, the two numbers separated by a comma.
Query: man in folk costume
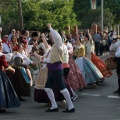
[[6, 45], [116, 47], [55, 75]]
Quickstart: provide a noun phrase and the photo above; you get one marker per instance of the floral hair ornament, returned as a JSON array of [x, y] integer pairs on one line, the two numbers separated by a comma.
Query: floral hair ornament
[[24, 41]]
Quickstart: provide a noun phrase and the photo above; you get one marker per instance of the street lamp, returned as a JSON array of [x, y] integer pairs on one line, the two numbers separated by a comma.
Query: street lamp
[[102, 2], [0, 20], [93, 4], [20, 15], [0, 27]]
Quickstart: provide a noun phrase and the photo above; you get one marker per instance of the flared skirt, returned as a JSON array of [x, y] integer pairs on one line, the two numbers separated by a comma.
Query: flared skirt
[[8, 97]]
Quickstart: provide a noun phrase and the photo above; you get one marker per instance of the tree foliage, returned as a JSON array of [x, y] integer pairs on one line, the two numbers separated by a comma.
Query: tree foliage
[[58, 12], [9, 14], [87, 16], [94, 16], [114, 6], [37, 14]]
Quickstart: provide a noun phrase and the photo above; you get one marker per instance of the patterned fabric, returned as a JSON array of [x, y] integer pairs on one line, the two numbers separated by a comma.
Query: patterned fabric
[[100, 65], [55, 55], [75, 78], [89, 70], [79, 51]]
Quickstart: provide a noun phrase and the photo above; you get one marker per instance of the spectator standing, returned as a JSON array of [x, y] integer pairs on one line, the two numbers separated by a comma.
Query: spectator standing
[[6, 45], [97, 41]]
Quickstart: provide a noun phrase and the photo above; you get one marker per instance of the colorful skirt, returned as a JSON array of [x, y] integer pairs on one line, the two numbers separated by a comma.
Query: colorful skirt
[[89, 71], [75, 78], [21, 82], [8, 97], [101, 66]]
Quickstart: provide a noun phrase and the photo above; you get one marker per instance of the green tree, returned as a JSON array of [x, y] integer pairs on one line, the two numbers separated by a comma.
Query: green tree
[[80, 8], [114, 6], [9, 13], [57, 12], [94, 16]]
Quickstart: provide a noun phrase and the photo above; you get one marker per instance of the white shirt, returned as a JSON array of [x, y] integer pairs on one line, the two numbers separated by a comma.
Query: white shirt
[[47, 57], [6, 48], [113, 35], [117, 54], [70, 47], [9, 37], [26, 61], [112, 47], [41, 45], [65, 54], [117, 44], [29, 48]]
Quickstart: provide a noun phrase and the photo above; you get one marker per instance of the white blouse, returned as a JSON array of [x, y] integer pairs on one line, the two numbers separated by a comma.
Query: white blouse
[[112, 47], [6, 48], [65, 54], [117, 54], [41, 45]]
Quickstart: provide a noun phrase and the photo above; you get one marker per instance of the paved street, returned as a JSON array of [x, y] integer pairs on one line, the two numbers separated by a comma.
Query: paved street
[[93, 104]]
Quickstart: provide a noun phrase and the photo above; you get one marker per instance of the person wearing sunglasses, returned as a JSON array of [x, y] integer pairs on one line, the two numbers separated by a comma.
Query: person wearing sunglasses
[[6, 45]]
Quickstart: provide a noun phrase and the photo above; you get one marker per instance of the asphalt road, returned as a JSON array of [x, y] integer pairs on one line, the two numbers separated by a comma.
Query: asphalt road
[[93, 104]]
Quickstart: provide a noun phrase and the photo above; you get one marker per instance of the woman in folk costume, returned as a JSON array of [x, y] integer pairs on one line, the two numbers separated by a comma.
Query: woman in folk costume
[[34, 43], [8, 97], [55, 74], [14, 43], [75, 78], [21, 81], [25, 53], [89, 53], [66, 69], [38, 55], [39, 92], [89, 71]]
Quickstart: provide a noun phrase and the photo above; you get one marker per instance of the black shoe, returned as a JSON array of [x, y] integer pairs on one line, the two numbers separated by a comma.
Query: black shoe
[[102, 80], [2, 111], [52, 110], [81, 89], [21, 99], [69, 111], [117, 92]]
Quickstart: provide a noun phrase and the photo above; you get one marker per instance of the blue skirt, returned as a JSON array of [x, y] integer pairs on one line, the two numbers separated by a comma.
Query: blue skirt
[[92, 73], [89, 71], [8, 97], [21, 82], [25, 75]]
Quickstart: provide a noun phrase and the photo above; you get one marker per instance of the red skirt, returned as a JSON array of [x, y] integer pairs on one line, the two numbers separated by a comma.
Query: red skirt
[[75, 78], [100, 65]]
